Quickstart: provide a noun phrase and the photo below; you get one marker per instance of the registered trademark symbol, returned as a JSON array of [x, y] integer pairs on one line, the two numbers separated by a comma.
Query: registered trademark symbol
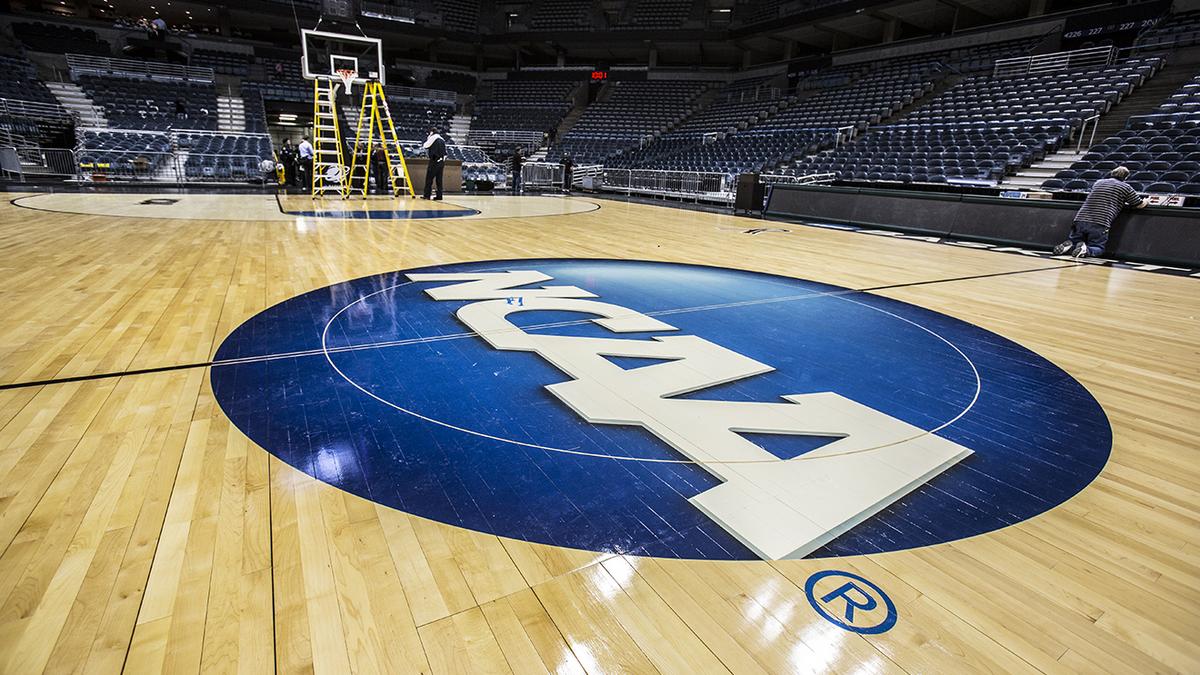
[[850, 602]]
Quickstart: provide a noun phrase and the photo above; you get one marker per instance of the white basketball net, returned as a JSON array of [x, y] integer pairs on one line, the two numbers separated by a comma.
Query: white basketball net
[[347, 77]]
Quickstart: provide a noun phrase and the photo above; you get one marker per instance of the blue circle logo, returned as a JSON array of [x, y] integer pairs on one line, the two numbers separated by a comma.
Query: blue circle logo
[[661, 409], [850, 602]]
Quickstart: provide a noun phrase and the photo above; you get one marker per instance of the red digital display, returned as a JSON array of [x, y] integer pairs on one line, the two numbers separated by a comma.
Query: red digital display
[[599, 75]]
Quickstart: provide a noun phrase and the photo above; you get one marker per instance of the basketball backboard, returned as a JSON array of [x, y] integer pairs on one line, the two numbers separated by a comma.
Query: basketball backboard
[[325, 53]]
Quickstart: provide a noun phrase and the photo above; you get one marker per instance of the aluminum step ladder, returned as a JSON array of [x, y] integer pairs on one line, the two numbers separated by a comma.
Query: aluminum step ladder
[[329, 167]]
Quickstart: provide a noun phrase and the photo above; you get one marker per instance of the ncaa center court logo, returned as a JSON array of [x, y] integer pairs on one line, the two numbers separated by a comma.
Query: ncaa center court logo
[[661, 409]]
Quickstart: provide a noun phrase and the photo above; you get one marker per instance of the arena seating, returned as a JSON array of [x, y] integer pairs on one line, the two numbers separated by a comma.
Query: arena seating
[[756, 11], [515, 105], [232, 157], [224, 63], [1178, 30], [562, 15], [759, 11], [867, 101], [658, 14], [29, 112], [307, 4], [123, 153], [833, 76], [255, 111], [984, 127], [1162, 150], [937, 154], [284, 81], [449, 80], [412, 119], [1070, 96], [150, 104], [254, 145], [634, 112], [737, 153], [461, 15], [154, 155], [770, 131], [21, 82], [57, 39], [463, 153], [967, 60]]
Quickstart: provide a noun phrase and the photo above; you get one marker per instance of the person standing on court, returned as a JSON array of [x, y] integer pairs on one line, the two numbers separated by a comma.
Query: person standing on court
[[305, 151], [1089, 232], [287, 157], [568, 171], [379, 162], [435, 148], [517, 161]]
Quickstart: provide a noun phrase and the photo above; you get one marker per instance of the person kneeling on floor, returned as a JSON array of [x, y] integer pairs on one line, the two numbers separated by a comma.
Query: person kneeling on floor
[[1089, 232]]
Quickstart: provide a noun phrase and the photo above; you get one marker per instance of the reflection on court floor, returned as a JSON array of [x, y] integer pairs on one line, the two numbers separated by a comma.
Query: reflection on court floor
[[290, 207]]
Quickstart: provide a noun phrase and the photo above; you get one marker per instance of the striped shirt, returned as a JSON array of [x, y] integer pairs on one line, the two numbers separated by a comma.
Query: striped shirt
[[1105, 200]]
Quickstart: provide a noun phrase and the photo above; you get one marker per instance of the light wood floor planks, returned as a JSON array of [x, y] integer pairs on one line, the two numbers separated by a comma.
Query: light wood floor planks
[[141, 531]]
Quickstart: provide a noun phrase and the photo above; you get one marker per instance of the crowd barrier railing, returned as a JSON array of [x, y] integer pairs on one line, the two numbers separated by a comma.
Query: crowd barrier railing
[[420, 93], [36, 109], [541, 175], [165, 167], [489, 138], [203, 167], [587, 175], [102, 65], [786, 179], [699, 186], [10, 162], [1094, 120], [127, 165], [48, 161], [1049, 63]]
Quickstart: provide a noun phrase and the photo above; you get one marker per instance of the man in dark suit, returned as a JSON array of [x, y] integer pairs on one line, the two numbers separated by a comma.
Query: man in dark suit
[[517, 162], [379, 169], [435, 148], [287, 157]]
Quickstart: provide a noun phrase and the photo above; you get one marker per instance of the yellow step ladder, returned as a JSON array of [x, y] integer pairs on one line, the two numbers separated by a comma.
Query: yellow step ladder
[[375, 114], [329, 167]]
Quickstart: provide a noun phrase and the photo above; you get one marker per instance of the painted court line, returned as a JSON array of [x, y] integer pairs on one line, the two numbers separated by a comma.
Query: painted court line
[[457, 336]]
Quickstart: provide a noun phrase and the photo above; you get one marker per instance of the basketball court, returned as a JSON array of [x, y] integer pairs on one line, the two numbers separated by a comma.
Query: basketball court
[[560, 433]]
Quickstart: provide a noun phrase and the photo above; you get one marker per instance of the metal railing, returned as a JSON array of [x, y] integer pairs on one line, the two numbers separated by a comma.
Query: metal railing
[[541, 175], [102, 165], [488, 138], [166, 167], [48, 161], [1049, 63], [10, 162], [1095, 121], [421, 93], [102, 65], [589, 176], [844, 135], [197, 167], [785, 179], [760, 93], [1164, 42], [38, 109], [699, 186]]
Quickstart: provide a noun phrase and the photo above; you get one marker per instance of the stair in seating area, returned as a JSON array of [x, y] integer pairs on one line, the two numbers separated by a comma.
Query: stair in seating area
[[569, 120], [1032, 177], [460, 128], [75, 100], [231, 114], [1145, 98]]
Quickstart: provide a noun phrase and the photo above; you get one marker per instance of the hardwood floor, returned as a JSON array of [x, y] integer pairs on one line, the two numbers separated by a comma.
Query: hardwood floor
[[140, 530]]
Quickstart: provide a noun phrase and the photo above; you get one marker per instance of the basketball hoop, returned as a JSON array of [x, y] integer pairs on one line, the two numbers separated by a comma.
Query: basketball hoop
[[347, 76]]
